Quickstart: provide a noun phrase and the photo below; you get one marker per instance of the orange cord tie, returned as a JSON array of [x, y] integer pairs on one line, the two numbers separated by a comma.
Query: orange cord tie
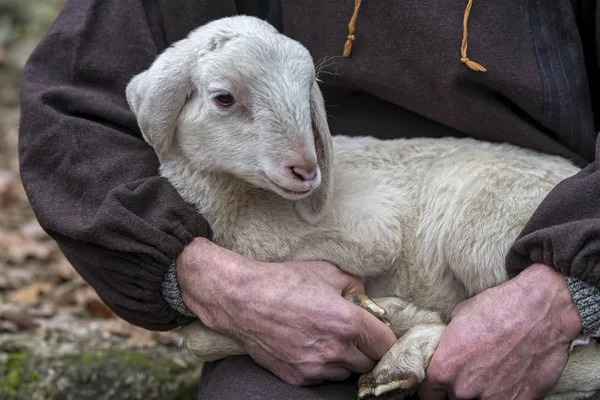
[[351, 28], [463, 49]]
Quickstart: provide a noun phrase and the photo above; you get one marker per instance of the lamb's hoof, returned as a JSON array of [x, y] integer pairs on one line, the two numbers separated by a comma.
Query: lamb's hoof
[[387, 385], [364, 302]]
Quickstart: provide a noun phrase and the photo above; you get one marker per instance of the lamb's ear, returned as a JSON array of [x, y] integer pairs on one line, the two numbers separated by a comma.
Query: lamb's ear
[[311, 208], [157, 95]]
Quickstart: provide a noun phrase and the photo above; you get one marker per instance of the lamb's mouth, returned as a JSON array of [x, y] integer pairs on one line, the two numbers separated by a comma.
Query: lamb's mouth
[[293, 193]]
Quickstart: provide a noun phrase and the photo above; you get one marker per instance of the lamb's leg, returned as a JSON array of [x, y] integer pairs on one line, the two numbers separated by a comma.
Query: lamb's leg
[[210, 345], [581, 377], [206, 343], [403, 367]]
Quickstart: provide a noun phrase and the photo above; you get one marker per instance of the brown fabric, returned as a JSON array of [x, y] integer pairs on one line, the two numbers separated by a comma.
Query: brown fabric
[[92, 180], [595, 396]]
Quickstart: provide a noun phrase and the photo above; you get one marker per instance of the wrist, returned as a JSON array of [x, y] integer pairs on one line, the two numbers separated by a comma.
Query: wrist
[[210, 278], [549, 287]]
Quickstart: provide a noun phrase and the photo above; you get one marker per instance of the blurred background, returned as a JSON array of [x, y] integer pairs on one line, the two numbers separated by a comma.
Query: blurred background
[[57, 339]]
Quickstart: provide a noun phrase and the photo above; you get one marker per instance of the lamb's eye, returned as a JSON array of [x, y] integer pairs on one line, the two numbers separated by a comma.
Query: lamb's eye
[[224, 100]]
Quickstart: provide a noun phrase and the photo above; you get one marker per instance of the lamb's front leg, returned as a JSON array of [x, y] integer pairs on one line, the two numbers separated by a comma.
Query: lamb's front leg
[[210, 345], [403, 367], [206, 343]]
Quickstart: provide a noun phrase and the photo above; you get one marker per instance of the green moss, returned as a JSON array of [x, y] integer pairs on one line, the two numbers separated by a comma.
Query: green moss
[[137, 360], [98, 375], [13, 373], [13, 379]]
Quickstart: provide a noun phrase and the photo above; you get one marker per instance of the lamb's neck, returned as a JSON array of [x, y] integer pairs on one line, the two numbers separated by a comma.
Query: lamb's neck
[[225, 201]]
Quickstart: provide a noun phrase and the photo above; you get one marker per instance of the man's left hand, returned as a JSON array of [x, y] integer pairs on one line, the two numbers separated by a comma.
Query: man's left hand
[[508, 342]]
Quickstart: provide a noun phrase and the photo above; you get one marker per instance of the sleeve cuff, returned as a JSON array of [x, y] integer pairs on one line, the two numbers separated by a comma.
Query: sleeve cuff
[[587, 300], [170, 292]]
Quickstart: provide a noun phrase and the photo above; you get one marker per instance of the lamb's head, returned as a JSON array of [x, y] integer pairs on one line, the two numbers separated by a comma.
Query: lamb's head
[[237, 97]]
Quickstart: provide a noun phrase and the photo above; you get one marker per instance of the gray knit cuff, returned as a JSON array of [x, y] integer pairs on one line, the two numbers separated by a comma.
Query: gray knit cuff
[[587, 300], [170, 292]]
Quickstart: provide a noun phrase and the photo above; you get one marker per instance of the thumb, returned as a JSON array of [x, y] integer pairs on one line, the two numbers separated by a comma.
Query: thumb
[[375, 337], [344, 283]]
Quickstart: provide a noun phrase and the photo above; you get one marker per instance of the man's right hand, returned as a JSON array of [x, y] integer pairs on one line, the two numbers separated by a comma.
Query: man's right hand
[[290, 317]]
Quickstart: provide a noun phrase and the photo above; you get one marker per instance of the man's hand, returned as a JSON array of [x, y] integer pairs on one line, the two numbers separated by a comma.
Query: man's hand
[[290, 317], [508, 342]]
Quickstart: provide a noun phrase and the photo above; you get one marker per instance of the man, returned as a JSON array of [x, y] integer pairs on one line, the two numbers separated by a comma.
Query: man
[[93, 184]]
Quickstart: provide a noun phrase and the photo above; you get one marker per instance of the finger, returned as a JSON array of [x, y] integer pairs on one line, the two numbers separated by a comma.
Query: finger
[[356, 361], [348, 284], [428, 392], [351, 285], [374, 337], [344, 283]]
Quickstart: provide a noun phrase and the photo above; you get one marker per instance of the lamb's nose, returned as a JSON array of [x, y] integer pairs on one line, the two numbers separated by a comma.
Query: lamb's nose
[[305, 174]]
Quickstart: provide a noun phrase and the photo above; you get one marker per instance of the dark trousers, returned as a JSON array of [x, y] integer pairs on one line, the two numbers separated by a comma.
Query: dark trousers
[[240, 378]]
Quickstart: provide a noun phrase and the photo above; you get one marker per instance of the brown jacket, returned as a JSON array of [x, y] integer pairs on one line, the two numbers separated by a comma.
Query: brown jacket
[[93, 182]]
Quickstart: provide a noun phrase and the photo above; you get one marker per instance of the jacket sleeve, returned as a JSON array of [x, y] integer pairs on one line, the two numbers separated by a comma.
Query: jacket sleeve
[[91, 179], [564, 232]]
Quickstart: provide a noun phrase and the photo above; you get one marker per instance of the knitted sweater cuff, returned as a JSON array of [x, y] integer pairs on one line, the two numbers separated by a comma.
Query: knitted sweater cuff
[[170, 292], [587, 300]]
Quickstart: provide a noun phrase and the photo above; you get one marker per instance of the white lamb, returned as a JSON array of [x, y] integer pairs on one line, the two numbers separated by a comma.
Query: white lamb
[[236, 117]]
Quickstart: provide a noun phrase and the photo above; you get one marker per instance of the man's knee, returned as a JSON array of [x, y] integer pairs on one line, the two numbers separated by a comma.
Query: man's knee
[[240, 377]]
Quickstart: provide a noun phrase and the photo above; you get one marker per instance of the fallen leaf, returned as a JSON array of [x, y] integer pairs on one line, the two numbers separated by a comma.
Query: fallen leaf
[[20, 319], [32, 293], [143, 338], [8, 182], [8, 327], [65, 294], [119, 327], [94, 307], [63, 270], [12, 278], [137, 337], [33, 231], [19, 249], [43, 311], [61, 321]]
